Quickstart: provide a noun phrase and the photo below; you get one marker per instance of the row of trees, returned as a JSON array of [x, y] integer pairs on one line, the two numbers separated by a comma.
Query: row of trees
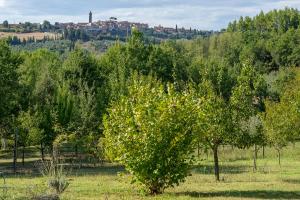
[[14, 40], [27, 27], [148, 106], [76, 34]]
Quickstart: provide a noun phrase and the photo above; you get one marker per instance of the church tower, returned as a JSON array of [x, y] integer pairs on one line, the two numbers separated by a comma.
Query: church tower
[[91, 17]]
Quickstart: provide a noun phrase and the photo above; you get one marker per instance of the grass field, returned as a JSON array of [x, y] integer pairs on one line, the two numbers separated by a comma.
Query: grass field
[[238, 179], [26, 36]]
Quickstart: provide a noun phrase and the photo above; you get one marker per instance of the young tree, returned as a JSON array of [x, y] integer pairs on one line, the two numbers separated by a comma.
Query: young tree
[[279, 125], [217, 127], [28, 133], [150, 131], [247, 101], [215, 123], [281, 120]]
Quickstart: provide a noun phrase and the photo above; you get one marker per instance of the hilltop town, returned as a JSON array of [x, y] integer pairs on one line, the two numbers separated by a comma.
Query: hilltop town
[[108, 29]]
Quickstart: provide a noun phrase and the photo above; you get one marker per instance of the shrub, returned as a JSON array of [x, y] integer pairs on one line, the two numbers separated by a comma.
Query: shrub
[[56, 176], [150, 132]]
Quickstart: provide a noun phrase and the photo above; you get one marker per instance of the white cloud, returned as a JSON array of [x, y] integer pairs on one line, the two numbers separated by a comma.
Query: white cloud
[[2, 3]]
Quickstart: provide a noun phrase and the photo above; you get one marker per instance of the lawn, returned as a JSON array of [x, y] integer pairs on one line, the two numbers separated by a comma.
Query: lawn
[[110, 181]]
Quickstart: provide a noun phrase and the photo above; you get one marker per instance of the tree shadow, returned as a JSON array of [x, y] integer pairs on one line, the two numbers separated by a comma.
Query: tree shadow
[[31, 170], [28, 168], [292, 181], [256, 194], [30, 152], [224, 169], [103, 170]]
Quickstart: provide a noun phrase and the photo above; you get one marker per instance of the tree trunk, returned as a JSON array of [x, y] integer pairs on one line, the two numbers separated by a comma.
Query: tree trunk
[[76, 151], [51, 150], [15, 151], [263, 150], [155, 189], [279, 157], [55, 154], [255, 150], [255, 158], [23, 156], [198, 149], [206, 151], [3, 143], [42, 152], [216, 161]]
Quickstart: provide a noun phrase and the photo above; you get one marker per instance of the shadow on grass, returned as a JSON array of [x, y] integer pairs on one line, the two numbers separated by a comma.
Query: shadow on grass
[[292, 181], [103, 170], [30, 152], [224, 169], [256, 194], [30, 170]]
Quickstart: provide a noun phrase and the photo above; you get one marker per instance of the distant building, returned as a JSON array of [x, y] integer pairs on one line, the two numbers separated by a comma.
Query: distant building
[[91, 17]]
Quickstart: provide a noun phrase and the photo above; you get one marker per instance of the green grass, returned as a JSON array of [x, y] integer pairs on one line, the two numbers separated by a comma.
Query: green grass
[[238, 179]]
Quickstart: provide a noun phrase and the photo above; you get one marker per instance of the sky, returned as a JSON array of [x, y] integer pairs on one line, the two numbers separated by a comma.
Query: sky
[[199, 14]]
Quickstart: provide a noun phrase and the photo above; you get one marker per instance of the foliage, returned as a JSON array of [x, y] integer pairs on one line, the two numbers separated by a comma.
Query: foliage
[[281, 120], [150, 131], [9, 63]]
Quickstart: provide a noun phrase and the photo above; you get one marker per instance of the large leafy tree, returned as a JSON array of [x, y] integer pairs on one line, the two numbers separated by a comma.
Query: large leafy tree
[[38, 76], [150, 131], [81, 100], [9, 87]]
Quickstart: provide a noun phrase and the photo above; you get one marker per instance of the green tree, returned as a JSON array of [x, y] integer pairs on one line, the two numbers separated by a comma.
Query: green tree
[[38, 77], [247, 101], [46, 26], [5, 24], [82, 98], [29, 133], [150, 131], [215, 123], [116, 71], [9, 88], [281, 119]]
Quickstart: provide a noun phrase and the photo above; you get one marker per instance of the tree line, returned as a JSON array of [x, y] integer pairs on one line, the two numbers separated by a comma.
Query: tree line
[[150, 106]]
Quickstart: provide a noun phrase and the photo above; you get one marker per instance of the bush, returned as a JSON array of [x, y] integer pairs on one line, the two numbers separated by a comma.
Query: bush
[[150, 132]]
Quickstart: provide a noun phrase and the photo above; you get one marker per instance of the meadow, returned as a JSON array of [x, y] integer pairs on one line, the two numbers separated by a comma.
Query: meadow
[[110, 181]]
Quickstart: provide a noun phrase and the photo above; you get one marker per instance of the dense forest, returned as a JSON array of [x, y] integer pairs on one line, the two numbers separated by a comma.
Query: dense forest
[[150, 107]]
